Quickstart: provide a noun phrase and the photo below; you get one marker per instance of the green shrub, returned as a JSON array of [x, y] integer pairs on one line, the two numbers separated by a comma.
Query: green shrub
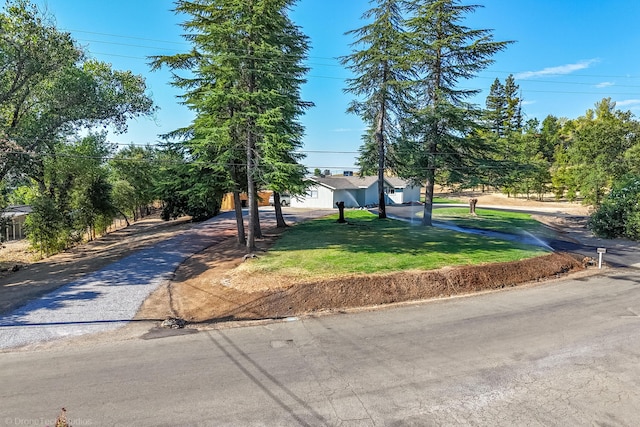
[[45, 227], [619, 213]]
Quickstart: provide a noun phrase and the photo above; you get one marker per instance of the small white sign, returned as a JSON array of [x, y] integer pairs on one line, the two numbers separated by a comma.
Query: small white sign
[[602, 250]]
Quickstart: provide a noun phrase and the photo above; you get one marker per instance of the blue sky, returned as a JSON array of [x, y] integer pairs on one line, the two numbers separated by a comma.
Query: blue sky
[[567, 55]]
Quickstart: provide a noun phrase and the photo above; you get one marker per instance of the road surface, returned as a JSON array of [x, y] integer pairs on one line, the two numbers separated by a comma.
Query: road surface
[[558, 354]]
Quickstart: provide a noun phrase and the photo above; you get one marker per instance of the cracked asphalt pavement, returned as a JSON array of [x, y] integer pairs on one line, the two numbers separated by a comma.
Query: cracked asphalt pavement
[[564, 353]]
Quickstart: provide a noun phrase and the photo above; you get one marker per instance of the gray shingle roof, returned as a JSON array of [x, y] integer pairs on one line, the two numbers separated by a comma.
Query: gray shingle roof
[[356, 182], [345, 182], [16, 210]]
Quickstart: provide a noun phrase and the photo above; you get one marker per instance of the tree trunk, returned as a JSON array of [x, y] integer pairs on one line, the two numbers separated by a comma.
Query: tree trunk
[[251, 229], [382, 209], [255, 214], [428, 199], [124, 216], [279, 218], [237, 207], [430, 184]]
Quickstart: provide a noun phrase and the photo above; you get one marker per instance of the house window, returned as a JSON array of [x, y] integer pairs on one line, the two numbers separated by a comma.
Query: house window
[[312, 194]]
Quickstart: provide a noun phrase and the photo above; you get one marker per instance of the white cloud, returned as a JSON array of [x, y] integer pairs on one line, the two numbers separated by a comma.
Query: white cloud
[[559, 70], [604, 84], [528, 102], [627, 102]]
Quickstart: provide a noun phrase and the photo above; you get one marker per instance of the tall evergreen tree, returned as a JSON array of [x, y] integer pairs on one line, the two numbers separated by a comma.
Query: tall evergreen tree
[[496, 108], [443, 51], [513, 120], [380, 86], [247, 72]]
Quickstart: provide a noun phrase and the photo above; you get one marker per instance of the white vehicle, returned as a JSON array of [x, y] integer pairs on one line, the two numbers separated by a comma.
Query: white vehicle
[[285, 200]]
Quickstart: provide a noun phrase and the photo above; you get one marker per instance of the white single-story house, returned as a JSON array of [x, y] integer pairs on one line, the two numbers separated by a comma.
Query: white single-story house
[[15, 217], [354, 191]]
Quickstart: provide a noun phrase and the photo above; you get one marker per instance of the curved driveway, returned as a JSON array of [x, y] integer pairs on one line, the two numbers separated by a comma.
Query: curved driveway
[[110, 297]]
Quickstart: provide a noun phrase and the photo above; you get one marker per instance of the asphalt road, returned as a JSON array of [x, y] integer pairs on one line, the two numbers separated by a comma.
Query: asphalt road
[[557, 354]]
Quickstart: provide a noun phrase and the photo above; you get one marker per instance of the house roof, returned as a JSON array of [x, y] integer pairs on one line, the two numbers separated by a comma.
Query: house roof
[[357, 182], [397, 182], [16, 210], [345, 182]]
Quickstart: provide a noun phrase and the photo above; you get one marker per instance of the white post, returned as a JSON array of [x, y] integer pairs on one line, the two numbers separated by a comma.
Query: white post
[[601, 251]]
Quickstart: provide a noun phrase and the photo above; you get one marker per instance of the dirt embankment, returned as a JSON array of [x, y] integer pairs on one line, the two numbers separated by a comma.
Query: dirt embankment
[[201, 292]]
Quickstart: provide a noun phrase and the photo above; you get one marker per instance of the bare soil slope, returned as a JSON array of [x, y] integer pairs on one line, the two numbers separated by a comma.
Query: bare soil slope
[[202, 292]]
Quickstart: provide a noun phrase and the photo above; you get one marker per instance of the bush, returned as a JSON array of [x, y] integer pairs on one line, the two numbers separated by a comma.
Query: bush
[[619, 213], [45, 227]]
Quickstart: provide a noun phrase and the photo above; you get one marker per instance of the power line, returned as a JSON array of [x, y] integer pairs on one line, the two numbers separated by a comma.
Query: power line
[[521, 82], [324, 58]]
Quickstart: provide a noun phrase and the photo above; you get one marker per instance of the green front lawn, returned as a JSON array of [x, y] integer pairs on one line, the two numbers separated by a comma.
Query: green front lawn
[[366, 245], [488, 219]]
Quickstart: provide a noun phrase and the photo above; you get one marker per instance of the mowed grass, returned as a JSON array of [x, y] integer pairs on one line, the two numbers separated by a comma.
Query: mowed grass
[[367, 245], [488, 219]]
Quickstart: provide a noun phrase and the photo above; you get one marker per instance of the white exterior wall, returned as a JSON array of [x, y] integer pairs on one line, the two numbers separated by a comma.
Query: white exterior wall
[[411, 194], [405, 195], [397, 197], [371, 195], [324, 198]]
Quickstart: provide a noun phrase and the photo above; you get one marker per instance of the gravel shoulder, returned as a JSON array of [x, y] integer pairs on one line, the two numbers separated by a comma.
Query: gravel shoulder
[[34, 279]]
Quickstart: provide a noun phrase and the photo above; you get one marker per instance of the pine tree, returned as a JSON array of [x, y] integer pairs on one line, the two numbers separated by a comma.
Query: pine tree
[[496, 108], [380, 85], [441, 135], [513, 119], [247, 72]]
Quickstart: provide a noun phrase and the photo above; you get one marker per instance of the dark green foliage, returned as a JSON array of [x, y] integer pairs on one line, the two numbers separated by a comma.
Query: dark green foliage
[[595, 151], [443, 127], [503, 113], [245, 73], [187, 189], [49, 91], [379, 62], [134, 175], [46, 227], [619, 213], [496, 106]]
